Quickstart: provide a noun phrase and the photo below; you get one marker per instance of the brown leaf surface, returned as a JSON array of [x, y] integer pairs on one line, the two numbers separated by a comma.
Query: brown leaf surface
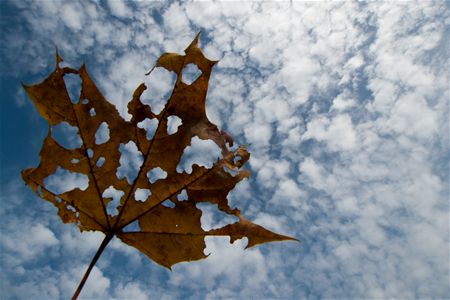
[[166, 235]]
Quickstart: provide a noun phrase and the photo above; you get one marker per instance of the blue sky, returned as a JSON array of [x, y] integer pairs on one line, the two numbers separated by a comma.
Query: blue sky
[[344, 106]]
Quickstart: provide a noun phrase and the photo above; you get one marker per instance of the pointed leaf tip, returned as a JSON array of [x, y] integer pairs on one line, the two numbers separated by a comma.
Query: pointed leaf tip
[[58, 58], [194, 43]]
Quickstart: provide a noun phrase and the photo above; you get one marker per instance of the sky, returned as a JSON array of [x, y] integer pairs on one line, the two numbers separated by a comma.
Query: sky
[[344, 107]]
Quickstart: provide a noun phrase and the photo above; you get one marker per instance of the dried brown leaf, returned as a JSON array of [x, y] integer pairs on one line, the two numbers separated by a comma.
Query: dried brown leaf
[[166, 235]]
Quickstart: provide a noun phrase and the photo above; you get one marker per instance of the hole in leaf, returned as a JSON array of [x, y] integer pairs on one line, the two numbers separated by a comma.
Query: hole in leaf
[[132, 227], [100, 162], [182, 196], [173, 122], [130, 161], [190, 73], [74, 160], [201, 152], [141, 194], [230, 171], [102, 133], [39, 190], [63, 181], [150, 126], [160, 84], [115, 196], [58, 200], [85, 101], [212, 217], [66, 135], [92, 112], [71, 208], [73, 86], [156, 174], [168, 203], [90, 153]]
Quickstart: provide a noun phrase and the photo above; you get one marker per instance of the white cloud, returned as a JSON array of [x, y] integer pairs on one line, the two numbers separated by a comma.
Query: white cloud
[[175, 19], [338, 133], [102, 133], [227, 267], [313, 172], [96, 287], [30, 243], [72, 16], [207, 16], [343, 102], [239, 194], [173, 122], [79, 244], [298, 74], [130, 161], [269, 171], [288, 194], [212, 219], [131, 291], [62, 181], [115, 196], [119, 8], [412, 116], [273, 109], [258, 135], [200, 152]]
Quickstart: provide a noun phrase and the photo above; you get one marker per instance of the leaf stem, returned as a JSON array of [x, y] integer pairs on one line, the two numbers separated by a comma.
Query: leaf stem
[[102, 247]]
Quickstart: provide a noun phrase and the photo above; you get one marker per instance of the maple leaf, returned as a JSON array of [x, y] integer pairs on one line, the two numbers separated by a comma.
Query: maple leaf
[[167, 235]]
